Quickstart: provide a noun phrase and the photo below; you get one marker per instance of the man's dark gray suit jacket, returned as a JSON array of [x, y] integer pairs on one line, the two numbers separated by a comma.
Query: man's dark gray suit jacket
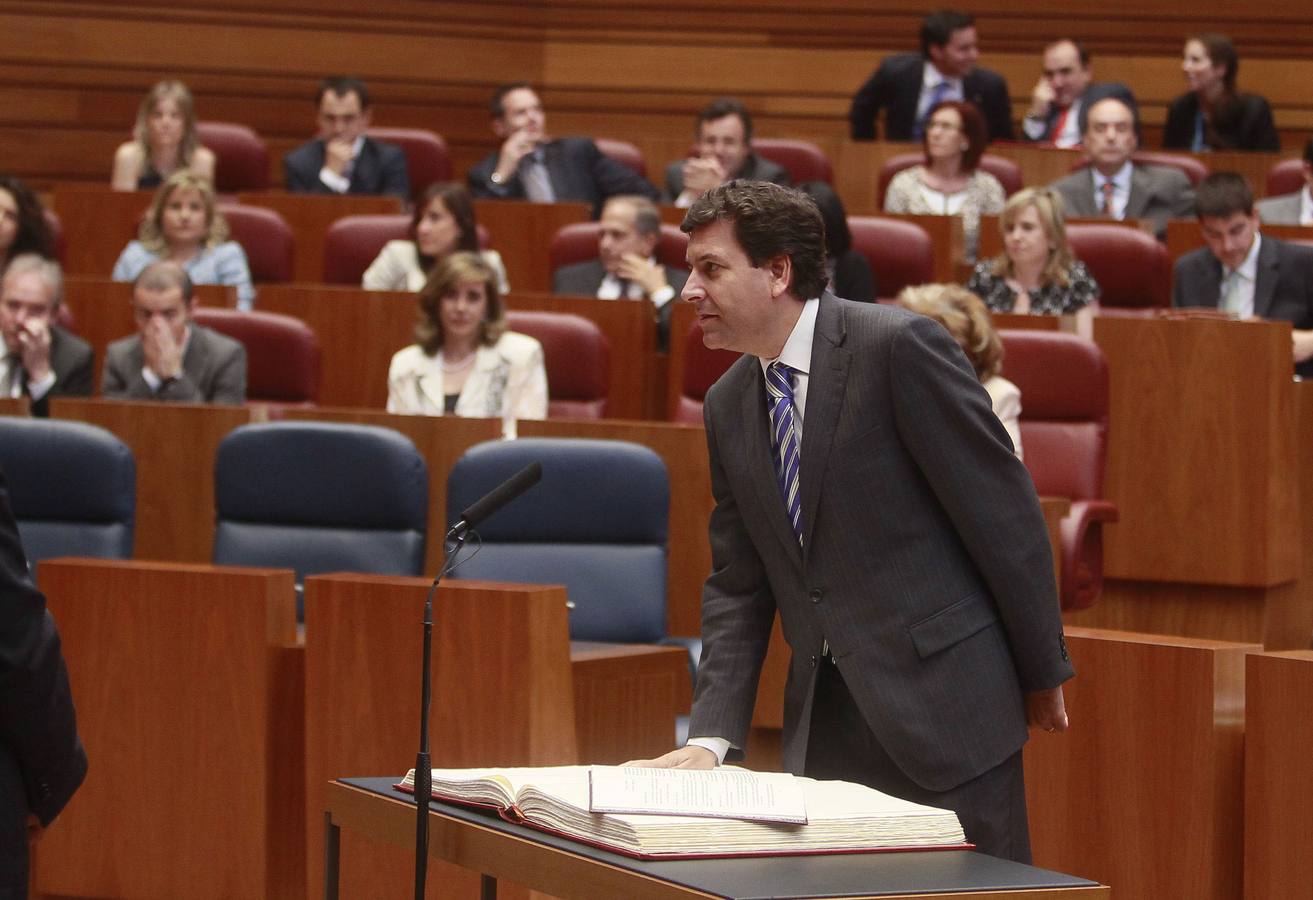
[[1283, 286], [578, 171], [926, 564], [73, 362], [1158, 193], [213, 371], [379, 169]]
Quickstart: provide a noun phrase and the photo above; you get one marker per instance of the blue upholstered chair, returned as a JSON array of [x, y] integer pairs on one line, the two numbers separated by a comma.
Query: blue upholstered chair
[[319, 497], [596, 523], [73, 488]]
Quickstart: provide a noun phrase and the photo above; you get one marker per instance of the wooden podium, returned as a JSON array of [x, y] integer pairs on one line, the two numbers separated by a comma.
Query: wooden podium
[[1202, 465]]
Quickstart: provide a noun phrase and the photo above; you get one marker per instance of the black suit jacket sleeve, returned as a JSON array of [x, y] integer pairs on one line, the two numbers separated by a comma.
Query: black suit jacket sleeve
[[38, 728], [887, 89], [989, 91]]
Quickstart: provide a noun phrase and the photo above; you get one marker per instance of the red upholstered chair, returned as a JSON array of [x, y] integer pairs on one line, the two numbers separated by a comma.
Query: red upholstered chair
[[804, 160], [1285, 177], [625, 153], [578, 360], [1195, 170], [1064, 435], [1132, 268], [702, 367], [577, 243], [1005, 170], [427, 159], [352, 243], [267, 239], [241, 159], [900, 253], [282, 353]]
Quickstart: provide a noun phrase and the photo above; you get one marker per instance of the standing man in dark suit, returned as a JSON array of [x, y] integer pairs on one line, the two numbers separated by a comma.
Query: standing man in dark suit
[[1116, 187], [724, 152], [41, 359], [41, 758], [529, 165], [907, 85], [626, 267], [1243, 273], [1064, 93], [342, 159], [866, 493], [171, 358]]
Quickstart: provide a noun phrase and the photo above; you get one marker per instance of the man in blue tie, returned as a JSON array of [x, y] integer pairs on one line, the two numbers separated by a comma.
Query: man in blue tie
[[908, 85], [867, 494]]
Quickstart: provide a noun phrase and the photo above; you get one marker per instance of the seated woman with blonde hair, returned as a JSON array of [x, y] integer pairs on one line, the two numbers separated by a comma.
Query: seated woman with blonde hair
[[465, 362], [184, 225], [1037, 272], [163, 141], [967, 320]]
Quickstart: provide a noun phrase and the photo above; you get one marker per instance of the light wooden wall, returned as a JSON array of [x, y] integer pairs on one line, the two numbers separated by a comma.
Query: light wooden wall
[[71, 73]]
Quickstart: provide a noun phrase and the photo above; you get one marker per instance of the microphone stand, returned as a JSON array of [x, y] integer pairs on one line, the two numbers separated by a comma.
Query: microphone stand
[[423, 762]]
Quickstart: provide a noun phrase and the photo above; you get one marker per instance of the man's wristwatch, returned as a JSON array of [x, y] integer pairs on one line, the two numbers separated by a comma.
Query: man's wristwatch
[[496, 177]]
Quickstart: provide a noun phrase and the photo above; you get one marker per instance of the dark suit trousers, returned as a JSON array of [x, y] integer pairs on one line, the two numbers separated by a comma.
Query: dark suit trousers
[[991, 806]]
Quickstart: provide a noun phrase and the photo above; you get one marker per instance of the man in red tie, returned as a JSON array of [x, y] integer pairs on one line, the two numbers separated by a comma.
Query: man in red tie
[[1066, 88]]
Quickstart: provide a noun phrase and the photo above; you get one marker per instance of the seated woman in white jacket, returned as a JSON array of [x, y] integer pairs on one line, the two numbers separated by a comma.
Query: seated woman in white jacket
[[443, 223], [967, 319], [464, 361]]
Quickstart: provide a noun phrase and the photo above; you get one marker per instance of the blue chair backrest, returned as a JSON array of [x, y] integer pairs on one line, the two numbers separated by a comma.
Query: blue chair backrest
[[72, 486], [320, 497], [596, 523]]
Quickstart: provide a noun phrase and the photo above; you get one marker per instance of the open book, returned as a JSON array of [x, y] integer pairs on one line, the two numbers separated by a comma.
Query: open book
[[840, 817]]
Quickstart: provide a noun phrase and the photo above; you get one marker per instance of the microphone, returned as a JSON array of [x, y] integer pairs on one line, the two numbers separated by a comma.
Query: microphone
[[496, 498]]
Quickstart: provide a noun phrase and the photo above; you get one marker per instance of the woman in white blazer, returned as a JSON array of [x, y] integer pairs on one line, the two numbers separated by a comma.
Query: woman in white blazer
[[464, 361]]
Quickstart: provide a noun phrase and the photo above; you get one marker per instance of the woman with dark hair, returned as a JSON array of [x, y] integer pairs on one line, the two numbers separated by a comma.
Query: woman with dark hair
[[949, 183], [164, 141], [465, 362], [1212, 115], [23, 226], [443, 223], [849, 271]]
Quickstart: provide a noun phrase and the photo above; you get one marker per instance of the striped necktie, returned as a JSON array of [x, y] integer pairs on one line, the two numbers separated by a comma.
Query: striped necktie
[[1109, 190], [784, 440]]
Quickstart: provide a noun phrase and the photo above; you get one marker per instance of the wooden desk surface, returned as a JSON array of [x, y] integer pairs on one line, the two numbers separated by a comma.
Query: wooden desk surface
[[482, 842]]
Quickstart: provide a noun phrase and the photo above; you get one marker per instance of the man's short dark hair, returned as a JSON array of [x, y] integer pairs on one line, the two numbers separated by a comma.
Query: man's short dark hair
[[719, 109], [1129, 104], [938, 27], [1223, 194], [769, 221], [495, 105], [340, 86], [1082, 52]]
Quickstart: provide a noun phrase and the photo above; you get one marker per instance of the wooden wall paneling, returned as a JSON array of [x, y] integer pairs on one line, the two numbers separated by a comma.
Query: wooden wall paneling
[[683, 448], [1144, 792], [1278, 779], [97, 225], [502, 695], [174, 445], [1200, 451], [626, 698], [441, 440], [189, 693], [522, 233]]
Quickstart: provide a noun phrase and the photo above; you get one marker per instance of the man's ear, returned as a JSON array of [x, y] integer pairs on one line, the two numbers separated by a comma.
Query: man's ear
[[779, 269]]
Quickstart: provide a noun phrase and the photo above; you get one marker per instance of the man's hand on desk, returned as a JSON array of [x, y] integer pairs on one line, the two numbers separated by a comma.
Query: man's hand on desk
[[684, 758]]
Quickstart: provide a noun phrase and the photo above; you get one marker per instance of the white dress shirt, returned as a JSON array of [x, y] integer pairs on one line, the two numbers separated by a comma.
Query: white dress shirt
[[342, 183]]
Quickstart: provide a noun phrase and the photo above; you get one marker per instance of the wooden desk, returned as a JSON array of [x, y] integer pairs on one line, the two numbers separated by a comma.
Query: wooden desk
[[522, 233], [481, 842], [1144, 792], [310, 215], [508, 688], [1278, 778], [190, 702], [97, 225]]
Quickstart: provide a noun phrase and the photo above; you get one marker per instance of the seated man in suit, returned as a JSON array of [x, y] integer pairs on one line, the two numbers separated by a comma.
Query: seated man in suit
[[724, 138], [1292, 209], [1064, 93], [342, 159], [1243, 273], [170, 357], [625, 267], [41, 359], [529, 165], [907, 85], [1113, 186]]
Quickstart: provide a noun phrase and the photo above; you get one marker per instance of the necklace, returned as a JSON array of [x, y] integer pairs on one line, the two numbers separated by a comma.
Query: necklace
[[452, 368]]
